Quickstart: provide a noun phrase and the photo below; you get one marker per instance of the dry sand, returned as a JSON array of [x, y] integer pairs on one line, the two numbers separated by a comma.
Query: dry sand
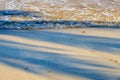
[[60, 54]]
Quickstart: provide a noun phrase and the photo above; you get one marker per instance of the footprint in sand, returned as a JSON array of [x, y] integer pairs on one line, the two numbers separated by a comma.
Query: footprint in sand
[[113, 60], [83, 31]]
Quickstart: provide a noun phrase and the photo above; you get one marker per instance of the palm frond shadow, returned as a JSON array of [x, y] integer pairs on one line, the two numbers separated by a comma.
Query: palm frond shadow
[[39, 62], [23, 55]]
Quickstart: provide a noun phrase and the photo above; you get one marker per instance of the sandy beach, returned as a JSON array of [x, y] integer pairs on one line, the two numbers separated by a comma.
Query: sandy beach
[[60, 54]]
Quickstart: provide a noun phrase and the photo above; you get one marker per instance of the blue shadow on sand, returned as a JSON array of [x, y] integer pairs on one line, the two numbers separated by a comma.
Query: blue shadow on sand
[[40, 62]]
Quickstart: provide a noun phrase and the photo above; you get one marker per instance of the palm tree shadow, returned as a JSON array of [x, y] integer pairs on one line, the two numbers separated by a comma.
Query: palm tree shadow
[[110, 45], [39, 62]]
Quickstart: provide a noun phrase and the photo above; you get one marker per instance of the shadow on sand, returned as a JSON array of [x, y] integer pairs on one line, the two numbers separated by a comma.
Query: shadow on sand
[[21, 55], [31, 58]]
